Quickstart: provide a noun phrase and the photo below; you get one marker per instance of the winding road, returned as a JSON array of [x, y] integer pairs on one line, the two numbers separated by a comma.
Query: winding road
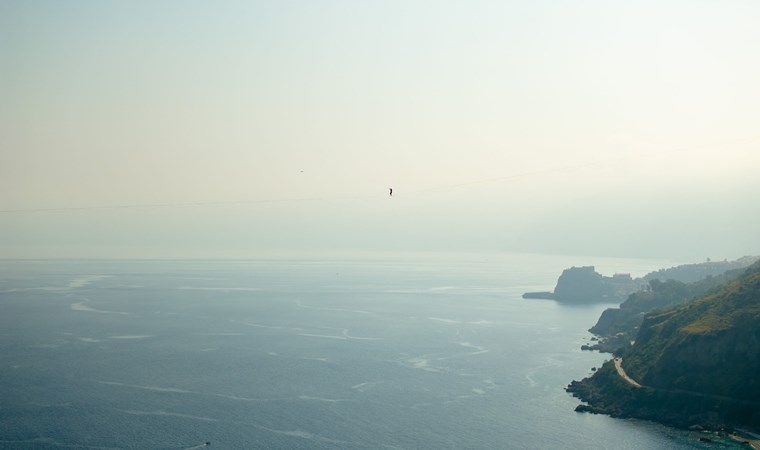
[[623, 375], [634, 383]]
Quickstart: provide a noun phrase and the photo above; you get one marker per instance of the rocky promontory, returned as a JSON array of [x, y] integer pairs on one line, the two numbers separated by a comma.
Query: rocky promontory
[[586, 285]]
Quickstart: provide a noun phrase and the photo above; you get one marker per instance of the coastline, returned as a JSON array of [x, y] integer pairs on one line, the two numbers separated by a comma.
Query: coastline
[[606, 392], [694, 371], [746, 437]]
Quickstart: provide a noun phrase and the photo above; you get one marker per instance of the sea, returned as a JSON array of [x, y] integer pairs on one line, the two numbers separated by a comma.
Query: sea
[[423, 351]]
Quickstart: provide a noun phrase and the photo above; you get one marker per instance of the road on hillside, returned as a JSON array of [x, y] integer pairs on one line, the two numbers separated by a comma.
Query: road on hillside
[[632, 382], [623, 375]]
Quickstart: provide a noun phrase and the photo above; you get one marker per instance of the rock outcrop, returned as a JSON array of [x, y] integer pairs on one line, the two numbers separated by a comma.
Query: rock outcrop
[[585, 285]]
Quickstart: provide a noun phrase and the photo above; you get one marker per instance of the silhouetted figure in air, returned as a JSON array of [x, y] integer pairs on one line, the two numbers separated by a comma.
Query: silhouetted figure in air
[[391, 193]]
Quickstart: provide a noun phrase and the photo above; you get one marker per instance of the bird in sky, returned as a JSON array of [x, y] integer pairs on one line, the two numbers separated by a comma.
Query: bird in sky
[[391, 192]]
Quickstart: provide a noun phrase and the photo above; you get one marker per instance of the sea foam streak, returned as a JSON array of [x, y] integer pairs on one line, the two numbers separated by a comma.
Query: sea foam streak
[[362, 387], [148, 388], [80, 306], [173, 390], [303, 435], [478, 349], [83, 281], [166, 413], [48, 442], [131, 336]]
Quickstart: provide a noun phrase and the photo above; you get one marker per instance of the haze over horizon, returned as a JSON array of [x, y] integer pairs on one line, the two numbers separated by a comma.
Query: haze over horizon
[[242, 129]]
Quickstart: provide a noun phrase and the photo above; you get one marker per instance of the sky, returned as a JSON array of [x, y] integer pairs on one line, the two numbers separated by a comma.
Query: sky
[[244, 129]]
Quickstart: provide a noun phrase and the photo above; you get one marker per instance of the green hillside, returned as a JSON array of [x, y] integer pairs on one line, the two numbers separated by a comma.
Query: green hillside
[[698, 363], [711, 345], [617, 327]]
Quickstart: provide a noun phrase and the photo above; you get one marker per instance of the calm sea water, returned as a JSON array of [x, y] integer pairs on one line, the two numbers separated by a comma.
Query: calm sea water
[[408, 353]]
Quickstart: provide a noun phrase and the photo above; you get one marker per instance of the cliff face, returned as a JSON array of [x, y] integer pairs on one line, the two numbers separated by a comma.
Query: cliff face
[[585, 285], [721, 363], [698, 363]]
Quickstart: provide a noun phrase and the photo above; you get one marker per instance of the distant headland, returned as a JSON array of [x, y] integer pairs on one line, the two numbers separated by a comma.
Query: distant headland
[[580, 285], [585, 285]]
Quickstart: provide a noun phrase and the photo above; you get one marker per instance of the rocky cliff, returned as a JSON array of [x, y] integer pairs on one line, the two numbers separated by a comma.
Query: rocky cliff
[[585, 285], [698, 363]]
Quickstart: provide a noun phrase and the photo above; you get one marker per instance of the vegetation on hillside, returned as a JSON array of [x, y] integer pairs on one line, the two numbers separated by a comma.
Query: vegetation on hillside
[[710, 345], [618, 326], [698, 362]]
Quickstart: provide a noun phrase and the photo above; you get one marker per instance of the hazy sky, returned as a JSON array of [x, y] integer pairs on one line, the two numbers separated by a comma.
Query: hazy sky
[[603, 127]]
